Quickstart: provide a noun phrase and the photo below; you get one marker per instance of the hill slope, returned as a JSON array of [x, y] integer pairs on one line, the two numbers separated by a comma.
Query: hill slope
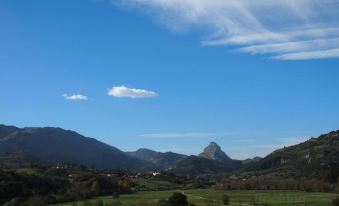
[[317, 157], [55, 146]]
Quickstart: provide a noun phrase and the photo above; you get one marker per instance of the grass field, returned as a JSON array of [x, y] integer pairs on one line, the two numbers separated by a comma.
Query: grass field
[[202, 197]]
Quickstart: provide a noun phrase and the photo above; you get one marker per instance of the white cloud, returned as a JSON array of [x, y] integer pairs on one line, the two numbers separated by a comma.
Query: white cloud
[[125, 92], [320, 54], [284, 29], [75, 97], [182, 135]]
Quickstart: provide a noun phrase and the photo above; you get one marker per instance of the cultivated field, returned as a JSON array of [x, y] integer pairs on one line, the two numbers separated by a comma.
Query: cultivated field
[[202, 197]]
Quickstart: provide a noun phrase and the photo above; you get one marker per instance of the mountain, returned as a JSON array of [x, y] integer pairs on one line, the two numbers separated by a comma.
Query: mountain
[[211, 161], [6, 130], [143, 154], [316, 157], [56, 146], [196, 165], [214, 152], [165, 160]]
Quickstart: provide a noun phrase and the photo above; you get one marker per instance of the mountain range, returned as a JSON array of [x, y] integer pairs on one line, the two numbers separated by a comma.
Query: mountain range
[[48, 145], [24, 146]]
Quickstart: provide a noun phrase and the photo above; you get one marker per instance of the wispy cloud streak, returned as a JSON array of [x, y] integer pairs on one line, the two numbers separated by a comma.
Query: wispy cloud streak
[[285, 29], [182, 135]]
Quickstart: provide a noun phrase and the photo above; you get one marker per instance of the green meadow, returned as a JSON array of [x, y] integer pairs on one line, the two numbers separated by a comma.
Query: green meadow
[[202, 197]]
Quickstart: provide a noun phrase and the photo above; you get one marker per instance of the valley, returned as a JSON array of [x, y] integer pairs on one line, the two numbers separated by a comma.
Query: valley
[[57, 166]]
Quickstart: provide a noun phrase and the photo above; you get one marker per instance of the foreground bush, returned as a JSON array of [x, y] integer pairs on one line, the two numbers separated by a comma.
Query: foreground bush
[[178, 199]]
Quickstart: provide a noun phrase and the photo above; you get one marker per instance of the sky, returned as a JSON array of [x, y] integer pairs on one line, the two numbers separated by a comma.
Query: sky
[[173, 75]]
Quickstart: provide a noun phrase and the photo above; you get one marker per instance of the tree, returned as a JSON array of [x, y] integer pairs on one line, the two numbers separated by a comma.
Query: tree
[[225, 199], [178, 199]]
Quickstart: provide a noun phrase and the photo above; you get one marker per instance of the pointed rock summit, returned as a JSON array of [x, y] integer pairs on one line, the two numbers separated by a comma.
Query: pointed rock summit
[[214, 152]]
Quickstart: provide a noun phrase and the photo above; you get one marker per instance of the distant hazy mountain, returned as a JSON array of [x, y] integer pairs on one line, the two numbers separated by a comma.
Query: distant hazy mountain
[[313, 158], [214, 152], [251, 160], [143, 154], [55, 146], [161, 160]]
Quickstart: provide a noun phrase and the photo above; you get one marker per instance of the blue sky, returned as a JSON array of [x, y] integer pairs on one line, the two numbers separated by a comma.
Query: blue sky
[[168, 75]]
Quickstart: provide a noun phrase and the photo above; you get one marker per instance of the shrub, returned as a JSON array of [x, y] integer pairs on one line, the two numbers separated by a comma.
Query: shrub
[[225, 199], [178, 199]]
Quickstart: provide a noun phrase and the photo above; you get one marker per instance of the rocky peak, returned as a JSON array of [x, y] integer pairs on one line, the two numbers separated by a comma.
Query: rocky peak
[[214, 152]]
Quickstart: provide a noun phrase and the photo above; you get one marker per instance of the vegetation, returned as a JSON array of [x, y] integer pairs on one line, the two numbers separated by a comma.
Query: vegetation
[[177, 199], [204, 197], [66, 183], [317, 158]]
